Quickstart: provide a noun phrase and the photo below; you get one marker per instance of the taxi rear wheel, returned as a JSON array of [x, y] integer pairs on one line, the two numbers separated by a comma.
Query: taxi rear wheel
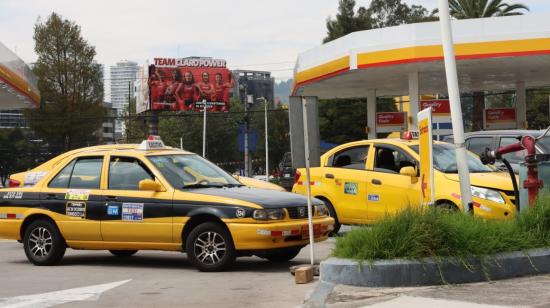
[[210, 248], [43, 243], [123, 253]]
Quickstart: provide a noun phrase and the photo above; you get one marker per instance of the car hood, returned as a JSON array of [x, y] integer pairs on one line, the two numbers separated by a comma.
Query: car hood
[[267, 198], [495, 180]]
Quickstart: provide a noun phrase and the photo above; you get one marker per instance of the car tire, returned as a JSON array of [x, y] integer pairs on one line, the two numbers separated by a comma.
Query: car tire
[[282, 255], [210, 247], [123, 253], [332, 213], [43, 243], [447, 206]]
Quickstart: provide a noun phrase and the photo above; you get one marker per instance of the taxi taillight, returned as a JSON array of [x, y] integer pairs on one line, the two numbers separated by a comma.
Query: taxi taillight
[[297, 176], [13, 183]]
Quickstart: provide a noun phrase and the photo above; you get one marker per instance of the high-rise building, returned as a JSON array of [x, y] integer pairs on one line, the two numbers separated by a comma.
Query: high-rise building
[[123, 75]]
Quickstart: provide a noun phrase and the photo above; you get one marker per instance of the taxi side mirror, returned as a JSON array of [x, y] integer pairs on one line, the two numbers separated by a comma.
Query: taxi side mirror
[[149, 185], [409, 171]]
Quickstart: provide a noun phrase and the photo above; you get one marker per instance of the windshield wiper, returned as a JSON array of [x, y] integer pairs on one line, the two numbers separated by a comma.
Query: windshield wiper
[[198, 185], [233, 185]]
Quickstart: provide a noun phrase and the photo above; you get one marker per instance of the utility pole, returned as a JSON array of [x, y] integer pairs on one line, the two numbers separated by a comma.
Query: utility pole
[[266, 144], [243, 86], [454, 99], [204, 129], [129, 130]]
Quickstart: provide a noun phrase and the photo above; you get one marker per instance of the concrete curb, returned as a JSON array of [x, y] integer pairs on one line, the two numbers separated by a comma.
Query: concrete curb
[[399, 273], [319, 296]]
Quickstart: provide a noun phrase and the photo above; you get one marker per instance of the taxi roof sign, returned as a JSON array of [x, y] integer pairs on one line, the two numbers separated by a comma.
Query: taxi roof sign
[[152, 143], [410, 135]]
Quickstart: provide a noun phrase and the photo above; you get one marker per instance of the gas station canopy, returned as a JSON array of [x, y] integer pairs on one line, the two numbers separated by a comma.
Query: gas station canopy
[[492, 54], [18, 86]]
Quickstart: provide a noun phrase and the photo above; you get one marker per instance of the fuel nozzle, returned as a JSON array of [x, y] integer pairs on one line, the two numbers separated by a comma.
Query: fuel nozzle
[[488, 157]]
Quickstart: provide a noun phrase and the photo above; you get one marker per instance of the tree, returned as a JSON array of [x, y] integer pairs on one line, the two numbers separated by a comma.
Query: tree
[[70, 83], [538, 104], [347, 21], [463, 9], [17, 153]]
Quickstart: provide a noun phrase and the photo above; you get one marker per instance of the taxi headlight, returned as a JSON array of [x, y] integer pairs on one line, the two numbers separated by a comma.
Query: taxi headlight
[[270, 214], [322, 210], [487, 194]]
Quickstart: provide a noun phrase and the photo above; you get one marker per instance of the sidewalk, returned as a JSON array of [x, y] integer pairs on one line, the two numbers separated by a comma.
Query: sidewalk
[[518, 292]]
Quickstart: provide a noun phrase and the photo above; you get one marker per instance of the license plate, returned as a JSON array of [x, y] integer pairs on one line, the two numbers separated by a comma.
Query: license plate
[[316, 231]]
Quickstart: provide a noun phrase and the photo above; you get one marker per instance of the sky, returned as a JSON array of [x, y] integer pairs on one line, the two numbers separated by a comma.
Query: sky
[[249, 34]]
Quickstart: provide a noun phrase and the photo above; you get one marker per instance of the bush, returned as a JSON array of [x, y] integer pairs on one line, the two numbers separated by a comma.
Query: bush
[[416, 234]]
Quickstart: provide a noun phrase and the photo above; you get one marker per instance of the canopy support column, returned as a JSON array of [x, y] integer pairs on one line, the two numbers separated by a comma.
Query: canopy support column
[[521, 105], [414, 96], [371, 113]]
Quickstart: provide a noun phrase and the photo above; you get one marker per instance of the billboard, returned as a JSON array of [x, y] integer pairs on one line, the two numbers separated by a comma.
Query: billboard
[[187, 84], [388, 122], [441, 116], [500, 118]]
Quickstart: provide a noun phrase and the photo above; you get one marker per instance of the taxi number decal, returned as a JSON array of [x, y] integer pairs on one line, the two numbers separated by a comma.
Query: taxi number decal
[[350, 188], [77, 194], [13, 195], [112, 210], [375, 198], [132, 211], [76, 209]]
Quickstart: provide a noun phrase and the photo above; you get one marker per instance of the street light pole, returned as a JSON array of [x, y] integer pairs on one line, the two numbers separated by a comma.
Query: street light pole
[[204, 129], [454, 98], [266, 145]]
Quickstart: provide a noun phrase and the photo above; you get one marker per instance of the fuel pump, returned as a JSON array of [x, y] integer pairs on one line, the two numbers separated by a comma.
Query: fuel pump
[[532, 183]]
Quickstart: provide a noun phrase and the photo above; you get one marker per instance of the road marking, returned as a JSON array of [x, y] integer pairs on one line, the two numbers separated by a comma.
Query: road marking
[[410, 302], [44, 300]]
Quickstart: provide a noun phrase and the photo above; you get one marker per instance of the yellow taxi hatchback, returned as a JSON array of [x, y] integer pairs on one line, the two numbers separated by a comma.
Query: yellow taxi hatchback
[[361, 182], [151, 197]]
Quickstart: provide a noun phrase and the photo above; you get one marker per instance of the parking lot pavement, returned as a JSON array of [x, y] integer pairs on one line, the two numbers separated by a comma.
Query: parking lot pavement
[[154, 279], [519, 292]]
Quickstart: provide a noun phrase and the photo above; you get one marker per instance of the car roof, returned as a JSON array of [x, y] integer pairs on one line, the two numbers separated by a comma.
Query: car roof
[[514, 132]]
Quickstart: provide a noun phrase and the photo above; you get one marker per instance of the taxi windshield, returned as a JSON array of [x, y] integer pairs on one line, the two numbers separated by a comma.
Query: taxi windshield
[[192, 171], [445, 159]]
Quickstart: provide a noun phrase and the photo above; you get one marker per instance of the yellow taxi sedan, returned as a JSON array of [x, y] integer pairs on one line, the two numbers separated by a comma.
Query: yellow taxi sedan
[[151, 197], [363, 181]]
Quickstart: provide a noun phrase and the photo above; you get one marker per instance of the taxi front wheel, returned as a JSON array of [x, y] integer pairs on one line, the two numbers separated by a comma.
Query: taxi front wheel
[[43, 243], [210, 248]]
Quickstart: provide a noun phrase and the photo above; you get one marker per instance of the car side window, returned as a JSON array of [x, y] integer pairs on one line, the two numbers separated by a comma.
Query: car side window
[[515, 157], [354, 158], [125, 173], [80, 173], [391, 160], [61, 180], [479, 144]]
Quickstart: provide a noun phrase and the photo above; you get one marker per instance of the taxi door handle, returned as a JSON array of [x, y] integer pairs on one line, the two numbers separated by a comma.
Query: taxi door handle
[[329, 176], [376, 182], [111, 198], [51, 196]]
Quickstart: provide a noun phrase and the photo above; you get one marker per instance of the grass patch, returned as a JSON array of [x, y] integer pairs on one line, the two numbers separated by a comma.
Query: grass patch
[[415, 234]]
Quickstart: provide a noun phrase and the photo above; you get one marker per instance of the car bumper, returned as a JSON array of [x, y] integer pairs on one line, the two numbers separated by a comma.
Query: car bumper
[[494, 211], [9, 229], [283, 234]]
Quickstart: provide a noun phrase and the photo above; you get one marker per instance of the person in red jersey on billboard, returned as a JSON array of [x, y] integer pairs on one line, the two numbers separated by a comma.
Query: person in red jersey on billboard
[[206, 89], [170, 100], [222, 91], [187, 92], [156, 86]]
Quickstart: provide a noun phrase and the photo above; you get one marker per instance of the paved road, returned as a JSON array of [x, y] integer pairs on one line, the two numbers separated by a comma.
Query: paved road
[[156, 279]]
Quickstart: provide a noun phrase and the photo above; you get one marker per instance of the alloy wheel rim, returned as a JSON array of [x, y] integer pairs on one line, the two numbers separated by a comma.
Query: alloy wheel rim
[[210, 248], [40, 242]]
